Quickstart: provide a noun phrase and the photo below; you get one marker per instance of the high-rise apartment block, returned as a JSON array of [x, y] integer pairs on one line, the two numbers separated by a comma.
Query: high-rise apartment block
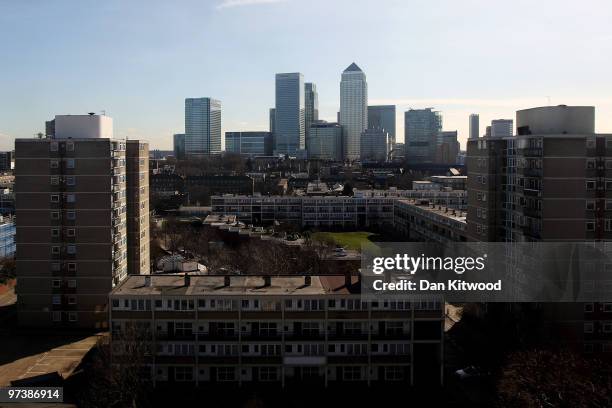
[[202, 127], [324, 141], [421, 131], [137, 191], [383, 117], [82, 205], [353, 110], [179, 146], [374, 145], [474, 126], [289, 131], [249, 143]]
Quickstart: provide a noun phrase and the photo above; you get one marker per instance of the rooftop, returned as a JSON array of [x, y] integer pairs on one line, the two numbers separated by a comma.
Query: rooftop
[[353, 67], [450, 213], [177, 285]]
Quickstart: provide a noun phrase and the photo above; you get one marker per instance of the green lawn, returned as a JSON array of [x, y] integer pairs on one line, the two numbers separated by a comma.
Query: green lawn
[[350, 240]]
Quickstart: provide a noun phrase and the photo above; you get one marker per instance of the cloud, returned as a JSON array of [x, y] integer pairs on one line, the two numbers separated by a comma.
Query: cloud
[[239, 3]]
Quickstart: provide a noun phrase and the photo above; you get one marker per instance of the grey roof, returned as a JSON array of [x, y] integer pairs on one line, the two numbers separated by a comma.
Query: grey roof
[[353, 67]]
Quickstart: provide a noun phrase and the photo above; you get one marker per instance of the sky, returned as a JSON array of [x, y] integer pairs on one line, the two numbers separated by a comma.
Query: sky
[[138, 60]]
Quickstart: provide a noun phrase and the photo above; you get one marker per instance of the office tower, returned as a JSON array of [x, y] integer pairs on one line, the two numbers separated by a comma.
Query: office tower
[[179, 146], [474, 126], [7, 161], [289, 132], [421, 132], [353, 110], [383, 117], [73, 198], [325, 141], [448, 148], [374, 145], [311, 100], [488, 131], [249, 143], [137, 191], [202, 127], [7, 237], [501, 128], [272, 120]]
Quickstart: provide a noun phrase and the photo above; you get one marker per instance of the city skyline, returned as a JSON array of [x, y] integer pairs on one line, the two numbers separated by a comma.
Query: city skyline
[[89, 67]]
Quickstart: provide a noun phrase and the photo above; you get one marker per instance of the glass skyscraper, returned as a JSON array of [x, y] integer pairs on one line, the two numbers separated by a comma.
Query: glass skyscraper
[[353, 110], [202, 126], [311, 113], [249, 143], [422, 130], [383, 117], [289, 131]]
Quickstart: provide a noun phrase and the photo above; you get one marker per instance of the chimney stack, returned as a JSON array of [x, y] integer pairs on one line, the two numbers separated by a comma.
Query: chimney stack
[[147, 281], [307, 280], [347, 279], [226, 281], [187, 279], [267, 280]]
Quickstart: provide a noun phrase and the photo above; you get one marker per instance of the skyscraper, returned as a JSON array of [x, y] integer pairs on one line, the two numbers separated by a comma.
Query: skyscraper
[[249, 143], [502, 128], [82, 201], [353, 110], [325, 141], [179, 146], [474, 126], [202, 127], [374, 145], [289, 132], [272, 120], [311, 113], [422, 130], [383, 117]]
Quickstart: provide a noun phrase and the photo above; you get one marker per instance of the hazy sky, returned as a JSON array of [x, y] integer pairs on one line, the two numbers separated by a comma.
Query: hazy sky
[[139, 59]]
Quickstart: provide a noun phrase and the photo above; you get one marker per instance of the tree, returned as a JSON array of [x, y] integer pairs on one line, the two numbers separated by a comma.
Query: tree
[[545, 378]]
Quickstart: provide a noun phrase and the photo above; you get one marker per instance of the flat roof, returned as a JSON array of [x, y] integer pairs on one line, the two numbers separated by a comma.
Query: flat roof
[[240, 285], [446, 212]]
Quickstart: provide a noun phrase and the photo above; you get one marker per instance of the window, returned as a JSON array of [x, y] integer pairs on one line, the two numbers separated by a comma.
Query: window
[[55, 232], [607, 327], [183, 373], [55, 250], [588, 307], [588, 327], [72, 283], [70, 198], [55, 267], [71, 232], [56, 299], [607, 307], [56, 283], [226, 374], [71, 249], [591, 184], [71, 267], [54, 180], [70, 163], [608, 184], [394, 373], [70, 146], [55, 215], [590, 164], [608, 224], [268, 374], [71, 215], [590, 205], [72, 300], [53, 146], [590, 143], [70, 180], [54, 164], [590, 226], [57, 316], [351, 373], [55, 198], [267, 329]]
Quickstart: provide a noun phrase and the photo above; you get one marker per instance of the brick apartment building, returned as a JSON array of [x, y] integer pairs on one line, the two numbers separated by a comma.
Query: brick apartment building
[[82, 207]]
